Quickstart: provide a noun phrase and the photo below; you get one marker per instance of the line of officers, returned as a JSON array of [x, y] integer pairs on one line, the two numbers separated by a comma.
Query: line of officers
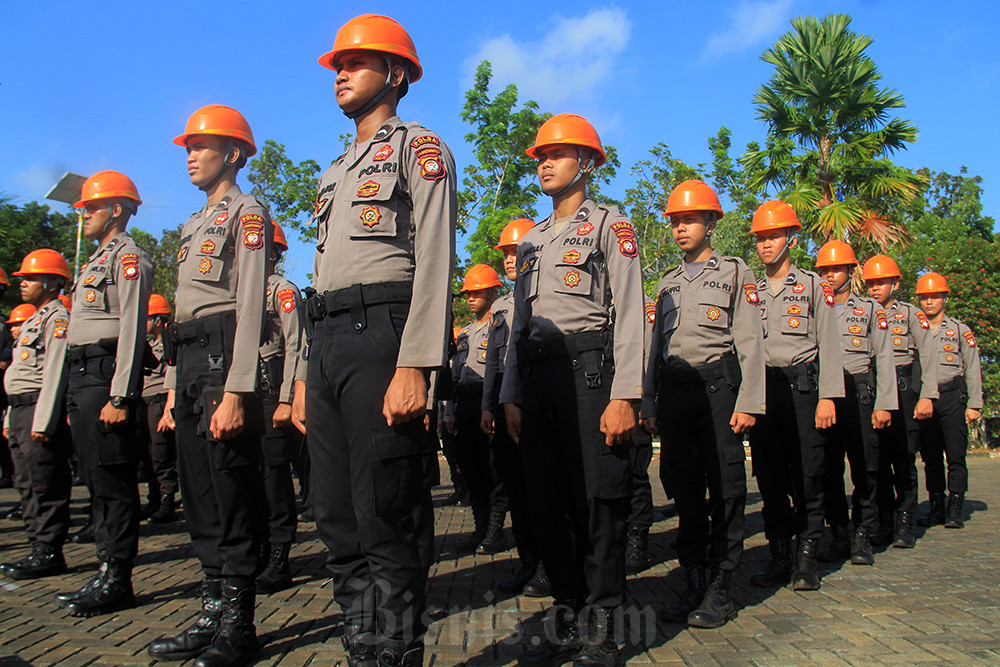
[[570, 375]]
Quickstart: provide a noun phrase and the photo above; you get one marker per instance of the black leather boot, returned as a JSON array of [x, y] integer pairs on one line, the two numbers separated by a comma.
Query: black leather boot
[[63, 599], [166, 513], [15, 513], [600, 649], [277, 576], [806, 578], [516, 582], [495, 539], [539, 586], [152, 506], [85, 535], [953, 518], [678, 611], [902, 537], [716, 608], [779, 570], [44, 560], [113, 593], [861, 548], [560, 646], [935, 516], [636, 548], [360, 647], [884, 533], [196, 639], [236, 642], [839, 548], [398, 654]]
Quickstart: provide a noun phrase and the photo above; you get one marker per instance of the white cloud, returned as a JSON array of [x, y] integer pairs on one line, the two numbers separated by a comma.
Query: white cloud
[[32, 182], [570, 61], [752, 22]]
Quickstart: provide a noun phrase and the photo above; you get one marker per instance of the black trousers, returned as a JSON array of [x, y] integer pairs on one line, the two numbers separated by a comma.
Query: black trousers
[[578, 487], [946, 436], [219, 479], [162, 447], [486, 492], [42, 475], [699, 452], [897, 451], [853, 435], [107, 457], [510, 468], [640, 508], [280, 446], [788, 458], [372, 506]]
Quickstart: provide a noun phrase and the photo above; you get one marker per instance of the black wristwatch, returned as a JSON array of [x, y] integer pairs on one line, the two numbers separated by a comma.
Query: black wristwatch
[[119, 402]]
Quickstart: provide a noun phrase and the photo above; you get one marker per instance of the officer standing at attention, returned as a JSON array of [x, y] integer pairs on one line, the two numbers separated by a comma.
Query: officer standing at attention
[[162, 446], [530, 578], [916, 387], [385, 215], [804, 377], [945, 435], [211, 403], [571, 390], [869, 377], [107, 337], [281, 377], [35, 423], [705, 385]]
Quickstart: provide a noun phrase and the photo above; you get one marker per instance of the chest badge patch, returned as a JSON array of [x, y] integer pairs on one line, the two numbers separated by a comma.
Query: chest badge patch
[[221, 218], [713, 313], [368, 189], [24, 341], [382, 153], [897, 330], [897, 341], [205, 265], [859, 311], [572, 257], [584, 229], [91, 278], [182, 253], [854, 329], [856, 342], [286, 298], [208, 247], [799, 288], [949, 332], [370, 216], [949, 347], [793, 322], [750, 290], [795, 310], [949, 357], [572, 278], [25, 354], [527, 264], [91, 296]]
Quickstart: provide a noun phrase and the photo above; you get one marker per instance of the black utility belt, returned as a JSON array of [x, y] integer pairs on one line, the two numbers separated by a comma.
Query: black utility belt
[[956, 383], [357, 297], [725, 368], [562, 346], [862, 378], [21, 400], [107, 348], [905, 371], [155, 399], [202, 329]]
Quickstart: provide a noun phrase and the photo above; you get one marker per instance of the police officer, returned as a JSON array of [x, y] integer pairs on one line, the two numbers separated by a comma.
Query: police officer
[[571, 389], [530, 578], [385, 214], [280, 358], [945, 435], [705, 385], [463, 416], [221, 276], [869, 376], [35, 423], [106, 343], [6, 350], [804, 377], [916, 387], [162, 446]]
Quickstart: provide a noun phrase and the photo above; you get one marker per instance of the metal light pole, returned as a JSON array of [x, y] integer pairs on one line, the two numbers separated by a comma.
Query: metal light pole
[[68, 190]]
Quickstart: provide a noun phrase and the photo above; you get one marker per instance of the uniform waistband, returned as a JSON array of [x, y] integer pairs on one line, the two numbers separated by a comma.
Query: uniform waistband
[[905, 370], [790, 371], [201, 329], [678, 373], [358, 295], [568, 345], [957, 382], [154, 399], [105, 348], [20, 400]]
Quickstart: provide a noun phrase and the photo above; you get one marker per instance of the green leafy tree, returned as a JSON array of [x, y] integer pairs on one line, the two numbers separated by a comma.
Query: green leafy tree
[[163, 253], [288, 189], [831, 131]]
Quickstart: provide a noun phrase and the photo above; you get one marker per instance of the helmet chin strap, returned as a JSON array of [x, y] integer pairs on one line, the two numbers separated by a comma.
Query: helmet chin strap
[[784, 249], [226, 164], [845, 287], [367, 106], [580, 171]]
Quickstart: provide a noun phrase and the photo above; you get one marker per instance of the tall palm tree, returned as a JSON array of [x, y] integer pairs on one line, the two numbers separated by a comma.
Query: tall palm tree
[[830, 133]]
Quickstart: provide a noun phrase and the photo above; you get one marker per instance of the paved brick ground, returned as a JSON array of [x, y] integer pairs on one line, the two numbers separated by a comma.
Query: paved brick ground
[[935, 604]]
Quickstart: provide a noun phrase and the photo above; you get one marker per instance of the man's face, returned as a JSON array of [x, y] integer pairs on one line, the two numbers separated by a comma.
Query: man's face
[[881, 289], [96, 215], [510, 261], [771, 244], [557, 167], [206, 157], [32, 287], [360, 76], [837, 275], [478, 300], [932, 304], [689, 229]]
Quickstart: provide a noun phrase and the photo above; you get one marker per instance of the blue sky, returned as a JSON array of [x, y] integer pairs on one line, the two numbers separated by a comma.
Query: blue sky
[[86, 86]]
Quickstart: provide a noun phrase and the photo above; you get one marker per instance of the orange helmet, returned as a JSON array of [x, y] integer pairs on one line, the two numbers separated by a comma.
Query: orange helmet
[[45, 261], [373, 32], [66, 302], [932, 283], [513, 232], [221, 121], [279, 236], [835, 253], [772, 215], [22, 313], [455, 331], [567, 128], [158, 305], [693, 196], [105, 185], [3, 278], [880, 266], [480, 276]]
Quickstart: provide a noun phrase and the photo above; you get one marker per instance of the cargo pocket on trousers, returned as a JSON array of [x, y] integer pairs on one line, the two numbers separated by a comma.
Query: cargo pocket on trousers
[[734, 476], [397, 468], [614, 470]]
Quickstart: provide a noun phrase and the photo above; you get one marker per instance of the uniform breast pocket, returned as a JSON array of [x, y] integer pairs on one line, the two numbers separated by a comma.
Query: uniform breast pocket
[[93, 291], [669, 318], [321, 218], [795, 325], [373, 213], [27, 355], [714, 313], [528, 276], [573, 280], [857, 343]]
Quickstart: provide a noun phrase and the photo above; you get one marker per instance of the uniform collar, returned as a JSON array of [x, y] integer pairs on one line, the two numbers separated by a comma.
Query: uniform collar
[[576, 221], [714, 263], [227, 199]]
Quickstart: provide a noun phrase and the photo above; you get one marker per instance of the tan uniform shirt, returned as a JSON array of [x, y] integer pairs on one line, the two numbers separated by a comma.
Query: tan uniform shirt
[[284, 333], [954, 352], [864, 328], [385, 211], [496, 350], [701, 318], [154, 383], [566, 281], [110, 302], [909, 334], [222, 267], [800, 326], [39, 364]]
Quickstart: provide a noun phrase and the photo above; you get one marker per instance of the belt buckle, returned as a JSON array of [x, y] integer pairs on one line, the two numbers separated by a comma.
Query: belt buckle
[[215, 362]]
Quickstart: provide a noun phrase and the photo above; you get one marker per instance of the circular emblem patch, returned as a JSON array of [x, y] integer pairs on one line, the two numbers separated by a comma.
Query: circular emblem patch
[[91, 296], [856, 342], [572, 278], [205, 265], [713, 313], [793, 322], [25, 354], [897, 341]]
